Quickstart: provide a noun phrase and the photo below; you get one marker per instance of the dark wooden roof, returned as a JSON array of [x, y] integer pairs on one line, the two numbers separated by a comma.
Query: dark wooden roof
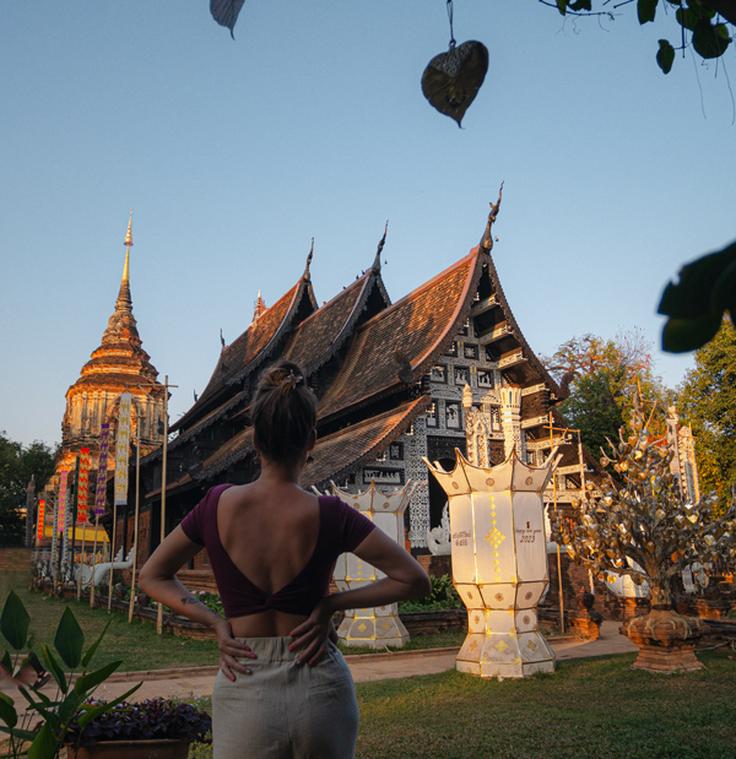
[[357, 444], [250, 349], [324, 332], [334, 454], [406, 337]]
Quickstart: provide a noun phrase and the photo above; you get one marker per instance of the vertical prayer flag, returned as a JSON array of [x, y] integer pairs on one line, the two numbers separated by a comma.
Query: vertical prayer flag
[[40, 520], [122, 450], [100, 492], [61, 501], [83, 486]]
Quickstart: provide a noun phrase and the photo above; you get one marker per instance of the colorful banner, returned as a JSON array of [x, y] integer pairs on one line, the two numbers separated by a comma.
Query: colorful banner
[[101, 490], [61, 502], [83, 486], [122, 450], [41, 516]]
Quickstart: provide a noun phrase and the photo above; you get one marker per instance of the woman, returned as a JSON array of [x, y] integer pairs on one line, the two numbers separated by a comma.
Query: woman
[[283, 689]]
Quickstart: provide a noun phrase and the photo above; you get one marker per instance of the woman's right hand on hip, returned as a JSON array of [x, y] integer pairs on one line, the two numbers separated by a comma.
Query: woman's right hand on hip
[[231, 650]]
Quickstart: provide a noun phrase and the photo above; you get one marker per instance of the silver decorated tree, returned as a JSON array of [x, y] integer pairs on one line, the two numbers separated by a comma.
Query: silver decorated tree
[[639, 522]]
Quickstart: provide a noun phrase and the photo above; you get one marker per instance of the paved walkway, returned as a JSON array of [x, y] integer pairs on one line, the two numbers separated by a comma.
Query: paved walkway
[[198, 681]]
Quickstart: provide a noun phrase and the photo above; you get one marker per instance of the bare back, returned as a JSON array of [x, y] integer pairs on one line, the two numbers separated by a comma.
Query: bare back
[[269, 533]]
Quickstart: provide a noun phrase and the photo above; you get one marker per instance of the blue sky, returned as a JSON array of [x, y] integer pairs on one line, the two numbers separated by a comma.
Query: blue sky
[[312, 123]]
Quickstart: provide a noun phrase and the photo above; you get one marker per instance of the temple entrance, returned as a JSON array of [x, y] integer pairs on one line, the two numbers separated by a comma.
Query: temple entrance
[[437, 496]]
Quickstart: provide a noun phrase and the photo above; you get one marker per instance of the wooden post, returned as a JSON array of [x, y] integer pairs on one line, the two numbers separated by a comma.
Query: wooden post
[[79, 564], [162, 532], [112, 553], [94, 563], [131, 605], [560, 589]]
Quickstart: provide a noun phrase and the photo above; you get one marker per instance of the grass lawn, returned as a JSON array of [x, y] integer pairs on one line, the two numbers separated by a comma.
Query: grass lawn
[[588, 708], [137, 643]]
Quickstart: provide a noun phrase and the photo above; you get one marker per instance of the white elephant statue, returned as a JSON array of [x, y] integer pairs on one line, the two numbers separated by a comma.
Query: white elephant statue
[[97, 574]]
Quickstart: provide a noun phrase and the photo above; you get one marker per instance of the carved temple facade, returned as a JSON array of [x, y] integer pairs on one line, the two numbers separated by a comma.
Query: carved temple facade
[[391, 378]]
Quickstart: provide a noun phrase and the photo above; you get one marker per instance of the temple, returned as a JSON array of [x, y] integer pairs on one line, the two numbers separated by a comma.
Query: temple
[[119, 364], [394, 382]]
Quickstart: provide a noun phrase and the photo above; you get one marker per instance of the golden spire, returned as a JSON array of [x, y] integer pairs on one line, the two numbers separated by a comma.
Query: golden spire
[[128, 242]]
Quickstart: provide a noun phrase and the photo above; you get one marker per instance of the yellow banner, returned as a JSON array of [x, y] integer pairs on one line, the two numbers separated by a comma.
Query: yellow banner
[[122, 450]]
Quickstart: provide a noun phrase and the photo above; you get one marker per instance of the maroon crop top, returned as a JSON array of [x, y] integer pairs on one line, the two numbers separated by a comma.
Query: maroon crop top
[[341, 529]]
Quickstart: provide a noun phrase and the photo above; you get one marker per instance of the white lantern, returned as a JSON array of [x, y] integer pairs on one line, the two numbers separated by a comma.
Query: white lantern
[[499, 563], [375, 627]]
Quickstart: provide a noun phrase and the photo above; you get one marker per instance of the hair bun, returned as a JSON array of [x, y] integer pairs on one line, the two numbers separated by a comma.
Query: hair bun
[[291, 380]]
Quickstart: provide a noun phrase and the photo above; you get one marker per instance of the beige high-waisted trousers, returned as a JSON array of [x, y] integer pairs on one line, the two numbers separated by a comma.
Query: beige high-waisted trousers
[[285, 710]]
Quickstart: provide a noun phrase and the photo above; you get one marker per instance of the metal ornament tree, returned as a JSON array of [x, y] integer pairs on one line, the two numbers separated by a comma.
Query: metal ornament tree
[[642, 525], [375, 627], [499, 560]]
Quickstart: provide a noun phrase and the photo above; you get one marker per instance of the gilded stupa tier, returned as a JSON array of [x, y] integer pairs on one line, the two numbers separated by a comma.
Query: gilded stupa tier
[[119, 364]]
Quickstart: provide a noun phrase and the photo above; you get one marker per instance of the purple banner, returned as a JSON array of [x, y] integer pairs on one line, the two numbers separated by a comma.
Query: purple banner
[[100, 492]]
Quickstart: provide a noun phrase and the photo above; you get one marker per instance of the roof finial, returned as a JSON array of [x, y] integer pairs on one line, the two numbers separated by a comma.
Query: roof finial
[[128, 242], [260, 307], [379, 250], [310, 256], [487, 241]]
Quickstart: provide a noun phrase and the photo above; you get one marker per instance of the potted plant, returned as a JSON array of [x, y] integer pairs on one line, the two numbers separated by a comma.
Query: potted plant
[[643, 524], [40, 731], [157, 728]]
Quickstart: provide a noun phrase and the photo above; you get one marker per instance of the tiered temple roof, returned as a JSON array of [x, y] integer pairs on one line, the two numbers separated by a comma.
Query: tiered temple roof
[[369, 362], [119, 364]]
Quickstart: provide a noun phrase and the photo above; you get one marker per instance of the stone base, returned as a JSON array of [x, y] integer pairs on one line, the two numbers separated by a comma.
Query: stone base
[[666, 641], [372, 631], [501, 655], [657, 659]]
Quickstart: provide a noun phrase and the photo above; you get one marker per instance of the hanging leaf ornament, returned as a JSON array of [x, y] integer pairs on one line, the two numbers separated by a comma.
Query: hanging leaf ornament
[[225, 13], [452, 79]]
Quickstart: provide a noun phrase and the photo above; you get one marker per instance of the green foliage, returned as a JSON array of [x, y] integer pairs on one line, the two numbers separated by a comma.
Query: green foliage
[[18, 464], [695, 304], [442, 596], [707, 23], [707, 402], [14, 621], [42, 730], [601, 377]]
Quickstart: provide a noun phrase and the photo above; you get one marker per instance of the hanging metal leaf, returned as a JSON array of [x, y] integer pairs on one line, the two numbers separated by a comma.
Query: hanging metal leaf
[[452, 79], [225, 12]]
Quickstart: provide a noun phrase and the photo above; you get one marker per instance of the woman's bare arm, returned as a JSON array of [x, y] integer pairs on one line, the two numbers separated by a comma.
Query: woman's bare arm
[[405, 579], [158, 579]]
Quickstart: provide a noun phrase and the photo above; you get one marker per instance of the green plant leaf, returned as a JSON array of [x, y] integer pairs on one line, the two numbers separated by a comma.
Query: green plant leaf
[[54, 667], [91, 680], [692, 295], [14, 621], [709, 41], [665, 56], [646, 10], [44, 745], [7, 663], [7, 711], [723, 295], [87, 658], [562, 6], [682, 335], [69, 639], [581, 5]]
